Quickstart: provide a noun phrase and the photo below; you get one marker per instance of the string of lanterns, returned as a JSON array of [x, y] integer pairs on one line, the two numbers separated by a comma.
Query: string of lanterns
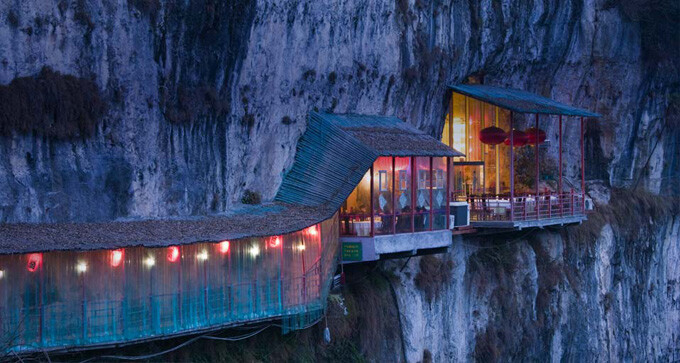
[[494, 136], [116, 258]]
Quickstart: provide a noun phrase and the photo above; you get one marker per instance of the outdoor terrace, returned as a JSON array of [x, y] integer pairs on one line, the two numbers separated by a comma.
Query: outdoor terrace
[[507, 175]]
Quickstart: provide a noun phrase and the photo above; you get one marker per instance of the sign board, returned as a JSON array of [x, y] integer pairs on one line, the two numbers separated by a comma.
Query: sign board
[[351, 251]]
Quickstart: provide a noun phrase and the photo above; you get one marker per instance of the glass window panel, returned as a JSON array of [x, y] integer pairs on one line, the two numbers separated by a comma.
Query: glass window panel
[[404, 195], [421, 217], [355, 215], [468, 179], [475, 125], [439, 193], [382, 198], [382, 180], [458, 128]]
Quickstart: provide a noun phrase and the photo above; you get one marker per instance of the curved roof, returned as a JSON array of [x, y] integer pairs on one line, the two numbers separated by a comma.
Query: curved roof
[[250, 221], [519, 101], [329, 163]]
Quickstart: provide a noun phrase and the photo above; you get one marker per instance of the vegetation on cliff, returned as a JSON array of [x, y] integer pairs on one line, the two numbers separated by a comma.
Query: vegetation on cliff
[[51, 104]]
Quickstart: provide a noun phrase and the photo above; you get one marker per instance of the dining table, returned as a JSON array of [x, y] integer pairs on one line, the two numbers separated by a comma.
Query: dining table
[[363, 228]]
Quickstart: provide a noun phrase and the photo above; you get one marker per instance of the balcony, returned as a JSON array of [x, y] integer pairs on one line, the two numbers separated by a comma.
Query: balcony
[[525, 211]]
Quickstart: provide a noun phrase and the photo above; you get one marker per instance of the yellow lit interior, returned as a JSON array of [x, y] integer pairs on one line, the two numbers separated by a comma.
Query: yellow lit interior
[[458, 134]]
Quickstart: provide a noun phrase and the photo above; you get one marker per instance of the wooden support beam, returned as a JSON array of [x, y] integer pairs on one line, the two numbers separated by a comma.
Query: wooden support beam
[[583, 168], [394, 192], [538, 171], [559, 185], [371, 204], [512, 167]]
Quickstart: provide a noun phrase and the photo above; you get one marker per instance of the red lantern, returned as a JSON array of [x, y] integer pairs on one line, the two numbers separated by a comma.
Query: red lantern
[[224, 247], [519, 138], [531, 135], [173, 253], [274, 242], [492, 135], [34, 262], [117, 257]]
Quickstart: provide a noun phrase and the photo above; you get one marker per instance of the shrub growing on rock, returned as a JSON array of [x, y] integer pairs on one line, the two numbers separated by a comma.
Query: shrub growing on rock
[[251, 197], [434, 274], [52, 104]]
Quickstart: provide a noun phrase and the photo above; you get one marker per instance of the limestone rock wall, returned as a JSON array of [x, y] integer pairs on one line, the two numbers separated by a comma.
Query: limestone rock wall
[[207, 98], [543, 297]]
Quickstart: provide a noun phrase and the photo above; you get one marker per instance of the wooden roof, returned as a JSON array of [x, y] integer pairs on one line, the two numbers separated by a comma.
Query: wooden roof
[[249, 221], [390, 136], [519, 101]]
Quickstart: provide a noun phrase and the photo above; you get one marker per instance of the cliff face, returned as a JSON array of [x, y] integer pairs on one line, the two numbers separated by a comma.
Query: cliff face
[[207, 98], [543, 297]]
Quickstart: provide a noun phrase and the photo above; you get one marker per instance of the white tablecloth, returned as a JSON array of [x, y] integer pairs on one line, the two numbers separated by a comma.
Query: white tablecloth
[[364, 228]]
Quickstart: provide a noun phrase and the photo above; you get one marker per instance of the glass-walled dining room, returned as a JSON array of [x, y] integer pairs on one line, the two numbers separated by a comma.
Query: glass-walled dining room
[[477, 128], [399, 195]]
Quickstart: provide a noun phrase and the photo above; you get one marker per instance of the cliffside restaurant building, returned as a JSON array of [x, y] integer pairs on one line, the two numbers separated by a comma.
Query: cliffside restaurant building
[[502, 194], [70, 286], [361, 188]]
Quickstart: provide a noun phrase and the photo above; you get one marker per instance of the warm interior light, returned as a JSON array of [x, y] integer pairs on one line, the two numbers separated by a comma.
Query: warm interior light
[[203, 255], [81, 267], [2, 274], [224, 247], [117, 257], [458, 134], [301, 247], [313, 231], [275, 242], [254, 251], [34, 262], [150, 261], [366, 180], [173, 253]]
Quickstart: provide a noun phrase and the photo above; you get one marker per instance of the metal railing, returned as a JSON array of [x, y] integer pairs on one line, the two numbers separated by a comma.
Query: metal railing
[[525, 207]]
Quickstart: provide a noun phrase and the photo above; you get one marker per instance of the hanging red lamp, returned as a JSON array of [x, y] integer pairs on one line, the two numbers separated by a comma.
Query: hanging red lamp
[[492, 135], [519, 138], [274, 241], [173, 253], [531, 135], [223, 247], [34, 262], [116, 257]]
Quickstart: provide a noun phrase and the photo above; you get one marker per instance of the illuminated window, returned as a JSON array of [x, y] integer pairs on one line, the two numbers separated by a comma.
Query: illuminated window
[[459, 134], [439, 179], [423, 179], [403, 180], [459, 129], [382, 180]]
